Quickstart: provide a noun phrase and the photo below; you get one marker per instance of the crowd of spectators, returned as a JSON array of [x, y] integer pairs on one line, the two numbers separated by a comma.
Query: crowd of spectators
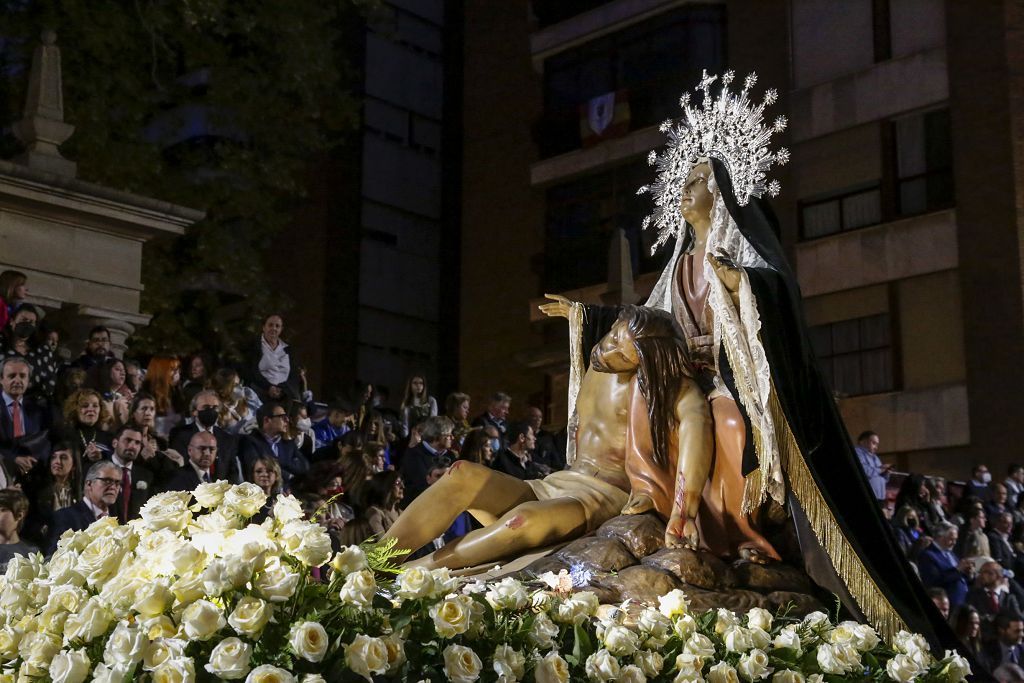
[[93, 436], [968, 548]]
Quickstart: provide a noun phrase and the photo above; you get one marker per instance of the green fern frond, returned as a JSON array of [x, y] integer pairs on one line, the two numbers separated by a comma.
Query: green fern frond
[[380, 555]]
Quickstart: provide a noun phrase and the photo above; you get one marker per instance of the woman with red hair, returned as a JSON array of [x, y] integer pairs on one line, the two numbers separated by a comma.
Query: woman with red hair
[[163, 380]]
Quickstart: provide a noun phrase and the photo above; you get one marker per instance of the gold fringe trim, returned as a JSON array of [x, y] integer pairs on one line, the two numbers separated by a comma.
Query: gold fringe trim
[[869, 597], [576, 315]]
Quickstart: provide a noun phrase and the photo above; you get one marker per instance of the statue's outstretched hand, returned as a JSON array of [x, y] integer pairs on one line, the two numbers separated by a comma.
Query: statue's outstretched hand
[[559, 306], [727, 271]]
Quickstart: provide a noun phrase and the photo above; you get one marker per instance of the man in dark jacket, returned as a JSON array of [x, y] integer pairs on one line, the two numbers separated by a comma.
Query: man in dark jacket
[[202, 452], [138, 482], [205, 412], [268, 440], [102, 484], [941, 568], [429, 454], [516, 459], [23, 424]]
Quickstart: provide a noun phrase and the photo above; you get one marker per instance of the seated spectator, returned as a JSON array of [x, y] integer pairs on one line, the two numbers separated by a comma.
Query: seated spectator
[[272, 369], [58, 487], [456, 407], [99, 499], [1014, 483], [13, 290], [973, 541], [497, 412], [97, 349], [163, 383], [936, 501], [546, 452], [197, 375], [84, 417], [979, 485], [941, 568], [163, 461], [477, 448], [431, 452], [940, 600], [134, 375], [238, 405], [909, 534], [19, 340], [23, 425], [990, 595], [377, 458], [266, 473], [205, 411], [999, 542], [1005, 647], [355, 471], [417, 403], [965, 506], [202, 453], [339, 421], [914, 494], [381, 500], [515, 459], [68, 382], [1008, 673], [110, 379], [997, 505], [13, 510], [967, 627], [138, 481], [268, 440], [300, 429]]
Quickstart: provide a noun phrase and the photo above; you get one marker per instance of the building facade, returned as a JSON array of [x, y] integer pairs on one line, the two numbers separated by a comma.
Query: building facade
[[909, 263]]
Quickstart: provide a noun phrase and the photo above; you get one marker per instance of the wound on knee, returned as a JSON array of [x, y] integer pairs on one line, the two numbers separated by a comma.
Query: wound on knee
[[456, 465], [515, 522]]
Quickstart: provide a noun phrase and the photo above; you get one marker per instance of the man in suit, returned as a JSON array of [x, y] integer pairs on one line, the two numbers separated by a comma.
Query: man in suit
[[202, 452], [516, 459], [137, 480], [495, 416], [941, 568], [268, 440], [429, 454], [990, 596], [23, 442], [102, 485], [205, 412], [1006, 647]]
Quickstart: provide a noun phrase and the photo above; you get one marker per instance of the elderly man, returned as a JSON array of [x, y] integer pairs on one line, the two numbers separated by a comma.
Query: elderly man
[[430, 453], [202, 452], [23, 424], [875, 470], [496, 415], [102, 484], [205, 409], [941, 568]]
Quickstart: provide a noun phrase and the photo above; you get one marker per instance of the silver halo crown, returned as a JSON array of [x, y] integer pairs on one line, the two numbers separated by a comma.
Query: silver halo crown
[[729, 128]]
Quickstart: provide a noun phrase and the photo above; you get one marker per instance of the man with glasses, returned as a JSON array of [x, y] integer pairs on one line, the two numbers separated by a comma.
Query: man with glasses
[[202, 453], [97, 349], [102, 486], [272, 418], [430, 453], [205, 413]]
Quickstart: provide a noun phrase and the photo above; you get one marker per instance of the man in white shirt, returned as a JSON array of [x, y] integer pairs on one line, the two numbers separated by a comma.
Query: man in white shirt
[[102, 485]]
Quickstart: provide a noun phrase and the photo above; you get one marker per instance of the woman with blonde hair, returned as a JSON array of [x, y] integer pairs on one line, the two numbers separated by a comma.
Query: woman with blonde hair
[[237, 406], [85, 420]]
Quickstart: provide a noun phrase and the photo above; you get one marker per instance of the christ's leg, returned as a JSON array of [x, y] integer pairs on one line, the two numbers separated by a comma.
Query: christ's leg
[[466, 486], [533, 524]]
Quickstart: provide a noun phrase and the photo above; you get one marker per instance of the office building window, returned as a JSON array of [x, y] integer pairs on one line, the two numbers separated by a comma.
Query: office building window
[[646, 66], [849, 210], [856, 356], [924, 163]]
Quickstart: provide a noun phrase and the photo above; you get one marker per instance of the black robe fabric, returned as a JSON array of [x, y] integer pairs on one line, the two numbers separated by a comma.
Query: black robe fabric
[[814, 420]]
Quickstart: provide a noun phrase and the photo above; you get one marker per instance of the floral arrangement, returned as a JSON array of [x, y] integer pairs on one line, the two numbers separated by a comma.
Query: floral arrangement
[[193, 592]]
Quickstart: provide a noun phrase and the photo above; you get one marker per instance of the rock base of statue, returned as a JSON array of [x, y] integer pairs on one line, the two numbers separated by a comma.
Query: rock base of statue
[[625, 559]]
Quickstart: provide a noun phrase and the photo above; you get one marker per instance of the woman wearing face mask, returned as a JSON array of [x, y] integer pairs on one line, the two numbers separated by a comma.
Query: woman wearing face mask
[[19, 339], [300, 429], [909, 531], [238, 405]]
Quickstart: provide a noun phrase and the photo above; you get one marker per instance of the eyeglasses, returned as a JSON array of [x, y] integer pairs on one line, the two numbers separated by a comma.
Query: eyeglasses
[[283, 416], [108, 482]]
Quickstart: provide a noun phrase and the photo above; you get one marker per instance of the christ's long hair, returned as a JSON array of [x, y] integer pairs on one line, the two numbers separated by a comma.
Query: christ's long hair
[[664, 366]]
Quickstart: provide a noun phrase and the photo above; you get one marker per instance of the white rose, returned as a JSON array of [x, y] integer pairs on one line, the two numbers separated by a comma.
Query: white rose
[[815, 678], [226, 573], [217, 522], [688, 676], [737, 639], [620, 641], [366, 656], [673, 604], [124, 646], [276, 582], [788, 639], [186, 559], [654, 623], [722, 673], [153, 598], [158, 627], [70, 666], [175, 670], [688, 668], [444, 582], [161, 650], [210, 494], [551, 669], [287, 508], [631, 673], [956, 668], [91, 622], [37, 649], [788, 676], [837, 658], [507, 594], [250, 615], [758, 617], [902, 668], [753, 666], [104, 673], [9, 639], [762, 640], [99, 560], [910, 643], [452, 616], [230, 659], [415, 583], [543, 632], [309, 640], [268, 673], [188, 588], [726, 619], [699, 645], [396, 651], [202, 619], [817, 619], [684, 626], [313, 678], [509, 663], [844, 633], [167, 511], [577, 608], [650, 662], [461, 665], [245, 499], [602, 667], [350, 559], [21, 569], [308, 542], [359, 588]]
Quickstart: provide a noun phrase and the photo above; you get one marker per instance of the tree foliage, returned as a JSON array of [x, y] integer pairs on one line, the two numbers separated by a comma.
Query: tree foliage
[[218, 105]]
